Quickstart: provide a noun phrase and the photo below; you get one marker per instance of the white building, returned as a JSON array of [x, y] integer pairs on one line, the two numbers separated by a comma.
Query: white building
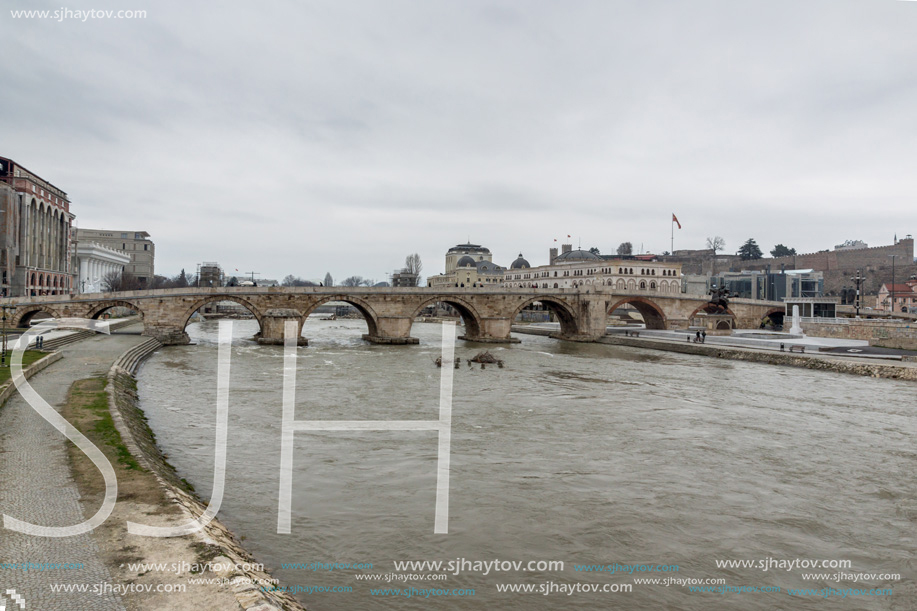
[[581, 268], [94, 262]]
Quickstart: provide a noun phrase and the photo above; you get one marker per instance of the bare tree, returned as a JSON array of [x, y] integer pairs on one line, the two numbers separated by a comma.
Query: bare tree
[[715, 244], [413, 265], [369, 282], [158, 282], [353, 281], [292, 280], [329, 281], [119, 281], [626, 248]]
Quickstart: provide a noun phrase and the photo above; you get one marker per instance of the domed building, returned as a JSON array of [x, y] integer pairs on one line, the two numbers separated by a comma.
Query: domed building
[[586, 269], [468, 265], [577, 255]]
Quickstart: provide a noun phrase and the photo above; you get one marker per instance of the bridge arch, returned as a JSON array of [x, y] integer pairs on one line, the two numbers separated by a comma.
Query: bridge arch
[[24, 319], [362, 306], [776, 315], [653, 316], [710, 309], [98, 310], [470, 315], [248, 305], [565, 313]]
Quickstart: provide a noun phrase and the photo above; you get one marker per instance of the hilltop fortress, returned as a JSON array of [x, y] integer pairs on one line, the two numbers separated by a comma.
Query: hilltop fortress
[[838, 265]]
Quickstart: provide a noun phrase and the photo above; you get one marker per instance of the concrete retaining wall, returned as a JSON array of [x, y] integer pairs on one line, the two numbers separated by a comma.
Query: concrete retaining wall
[[774, 358], [885, 333]]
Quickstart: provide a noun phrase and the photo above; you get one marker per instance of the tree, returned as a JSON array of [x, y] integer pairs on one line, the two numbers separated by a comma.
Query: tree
[[750, 251], [180, 281], [292, 280], [782, 251], [626, 248], [666, 253], [369, 282], [716, 244], [595, 251], [158, 282], [329, 281], [413, 265], [119, 281], [353, 281]]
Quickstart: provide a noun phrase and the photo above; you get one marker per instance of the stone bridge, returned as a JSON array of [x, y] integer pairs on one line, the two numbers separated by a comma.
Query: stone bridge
[[487, 313]]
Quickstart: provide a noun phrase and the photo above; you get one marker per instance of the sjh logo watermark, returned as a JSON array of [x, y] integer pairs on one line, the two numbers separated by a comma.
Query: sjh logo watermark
[[443, 427], [14, 599]]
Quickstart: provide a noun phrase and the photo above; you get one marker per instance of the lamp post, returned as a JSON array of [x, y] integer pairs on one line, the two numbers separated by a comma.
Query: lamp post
[[858, 280], [3, 353], [892, 292]]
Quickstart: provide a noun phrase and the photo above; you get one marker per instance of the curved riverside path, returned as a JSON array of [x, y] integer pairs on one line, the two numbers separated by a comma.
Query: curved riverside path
[[36, 485]]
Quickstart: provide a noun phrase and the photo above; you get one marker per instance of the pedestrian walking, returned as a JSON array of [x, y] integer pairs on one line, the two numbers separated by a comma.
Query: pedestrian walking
[[703, 337]]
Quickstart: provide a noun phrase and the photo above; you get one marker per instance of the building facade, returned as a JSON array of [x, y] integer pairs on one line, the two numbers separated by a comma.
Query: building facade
[[772, 286], [581, 268], [404, 278], [210, 275], [94, 263], [898, 297], [468, 265], [136, 244], [35, 234]]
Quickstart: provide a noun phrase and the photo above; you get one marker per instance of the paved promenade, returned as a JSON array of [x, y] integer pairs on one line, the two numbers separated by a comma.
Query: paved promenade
[[36, 486]]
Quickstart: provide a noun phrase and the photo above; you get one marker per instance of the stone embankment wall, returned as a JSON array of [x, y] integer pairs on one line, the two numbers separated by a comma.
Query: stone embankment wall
[[140, 440], [884, 333], [774, 358], [8, 388]]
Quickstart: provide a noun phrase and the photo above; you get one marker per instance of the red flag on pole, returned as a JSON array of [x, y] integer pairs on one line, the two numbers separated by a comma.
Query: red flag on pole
[[568, 235], [675, 220]]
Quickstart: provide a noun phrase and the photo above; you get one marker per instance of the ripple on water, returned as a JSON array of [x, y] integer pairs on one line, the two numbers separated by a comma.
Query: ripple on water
[[577, 452]]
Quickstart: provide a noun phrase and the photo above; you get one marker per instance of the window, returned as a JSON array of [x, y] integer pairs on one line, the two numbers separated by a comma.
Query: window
[[123, 235]]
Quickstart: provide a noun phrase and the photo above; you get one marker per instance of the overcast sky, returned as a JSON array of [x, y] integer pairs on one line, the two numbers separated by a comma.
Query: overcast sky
[[304, 137]]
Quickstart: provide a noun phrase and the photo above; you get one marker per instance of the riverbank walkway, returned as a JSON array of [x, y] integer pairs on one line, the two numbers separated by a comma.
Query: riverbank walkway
[[37, 487]]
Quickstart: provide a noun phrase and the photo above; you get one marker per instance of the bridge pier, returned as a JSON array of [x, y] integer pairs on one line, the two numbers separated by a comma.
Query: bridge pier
[[272, 325], [491, 331], [390, 330], [168, 335]]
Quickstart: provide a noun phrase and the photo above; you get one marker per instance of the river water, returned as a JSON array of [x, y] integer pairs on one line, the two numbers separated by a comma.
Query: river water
[[583, 453]]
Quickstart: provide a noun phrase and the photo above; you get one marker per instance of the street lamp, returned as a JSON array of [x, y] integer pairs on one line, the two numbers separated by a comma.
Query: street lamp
[[3, 353], [893, 282], [858, 280]]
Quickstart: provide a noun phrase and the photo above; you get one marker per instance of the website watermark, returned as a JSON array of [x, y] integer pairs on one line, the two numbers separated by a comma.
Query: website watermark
[[82, 15]]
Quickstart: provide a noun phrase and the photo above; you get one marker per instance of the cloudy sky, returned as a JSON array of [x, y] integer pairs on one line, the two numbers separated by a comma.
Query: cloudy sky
[[304, 137]]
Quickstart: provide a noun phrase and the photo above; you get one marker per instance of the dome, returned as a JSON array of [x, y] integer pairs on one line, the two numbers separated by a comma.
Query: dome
[[469, 248], [577, 255], [465, 261], [520, 263]]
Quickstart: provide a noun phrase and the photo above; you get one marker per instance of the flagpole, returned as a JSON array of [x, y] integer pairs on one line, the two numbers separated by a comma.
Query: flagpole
[[672, 251]]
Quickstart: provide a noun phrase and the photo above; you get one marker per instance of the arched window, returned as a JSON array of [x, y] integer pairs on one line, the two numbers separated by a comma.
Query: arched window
[[555, 284], [642, 285], [653, 285]]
